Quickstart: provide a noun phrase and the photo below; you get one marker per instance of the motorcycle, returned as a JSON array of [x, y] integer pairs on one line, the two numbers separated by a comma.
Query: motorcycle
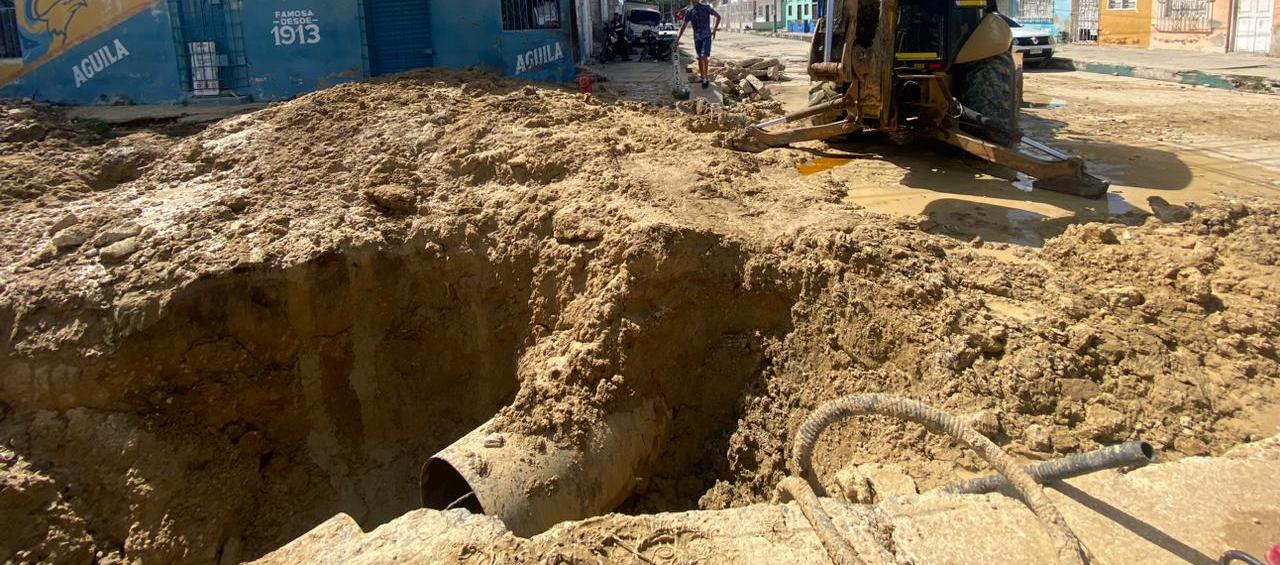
[[614, 46], [653, 47]]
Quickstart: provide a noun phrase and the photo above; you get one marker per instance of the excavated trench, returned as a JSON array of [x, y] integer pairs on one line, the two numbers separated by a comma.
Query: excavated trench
[[262, 402], [267, 328]]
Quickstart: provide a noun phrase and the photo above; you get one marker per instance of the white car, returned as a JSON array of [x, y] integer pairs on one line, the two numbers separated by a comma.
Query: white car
[[1036, 45], [641, 18]]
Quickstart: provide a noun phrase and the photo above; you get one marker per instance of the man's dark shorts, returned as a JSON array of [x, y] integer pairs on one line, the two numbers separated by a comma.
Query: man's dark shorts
[[703, 47]]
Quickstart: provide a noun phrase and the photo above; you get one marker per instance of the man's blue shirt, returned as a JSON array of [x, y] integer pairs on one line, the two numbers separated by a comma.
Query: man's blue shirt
[[699, 16]]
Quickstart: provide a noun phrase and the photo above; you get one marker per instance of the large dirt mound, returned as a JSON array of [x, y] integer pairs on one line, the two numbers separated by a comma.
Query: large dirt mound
[[286, 314]]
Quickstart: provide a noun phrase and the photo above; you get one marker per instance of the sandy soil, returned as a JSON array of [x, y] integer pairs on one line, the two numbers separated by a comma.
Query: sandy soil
[[281, 317]]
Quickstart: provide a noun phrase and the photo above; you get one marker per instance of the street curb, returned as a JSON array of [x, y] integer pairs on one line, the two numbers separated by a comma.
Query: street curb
[[1246, 83]]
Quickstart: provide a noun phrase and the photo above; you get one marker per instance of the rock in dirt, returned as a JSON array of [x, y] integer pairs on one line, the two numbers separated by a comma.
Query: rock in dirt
[[392, 198], [1104, 424], [1124, 297], [1166, 212], [24, 131], [116, 233], [236, 201], [63, 223], [123, 164], [987, 422], [72, 237], [1037, 438], [119, 250], [1078, 390], [1188, 445], [872, 482], [1094, 233]]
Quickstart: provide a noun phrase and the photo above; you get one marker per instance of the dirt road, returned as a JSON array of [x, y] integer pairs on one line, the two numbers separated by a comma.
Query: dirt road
[[1151, 139]]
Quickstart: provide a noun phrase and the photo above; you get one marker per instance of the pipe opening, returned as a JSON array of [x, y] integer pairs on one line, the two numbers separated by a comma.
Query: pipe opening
[[444, 488], [1148, 451]]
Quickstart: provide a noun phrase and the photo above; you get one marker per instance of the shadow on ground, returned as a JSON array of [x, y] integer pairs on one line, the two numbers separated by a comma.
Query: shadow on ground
[[939, 168]]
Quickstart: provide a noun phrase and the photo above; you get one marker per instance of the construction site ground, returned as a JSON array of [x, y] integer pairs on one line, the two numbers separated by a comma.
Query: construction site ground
[[221, 339]]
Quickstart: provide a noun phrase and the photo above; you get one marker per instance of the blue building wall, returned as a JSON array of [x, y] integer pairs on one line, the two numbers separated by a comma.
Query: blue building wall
[[285, 65], [134, 60], [465, 38], [127, 52]]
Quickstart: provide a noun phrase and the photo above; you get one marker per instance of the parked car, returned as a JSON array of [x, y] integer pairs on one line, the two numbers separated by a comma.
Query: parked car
[[1036, 45], [641, 18], [668, 31]]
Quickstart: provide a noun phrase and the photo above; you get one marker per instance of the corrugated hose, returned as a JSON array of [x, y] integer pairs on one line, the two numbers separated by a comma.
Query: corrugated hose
[[1066, 544]]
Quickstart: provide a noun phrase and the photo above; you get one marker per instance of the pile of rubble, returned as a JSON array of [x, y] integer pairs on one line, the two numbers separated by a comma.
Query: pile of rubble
[[743, 79]]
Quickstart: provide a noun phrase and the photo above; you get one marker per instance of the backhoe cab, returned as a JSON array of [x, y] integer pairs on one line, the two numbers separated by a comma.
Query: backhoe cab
[[933, 68]]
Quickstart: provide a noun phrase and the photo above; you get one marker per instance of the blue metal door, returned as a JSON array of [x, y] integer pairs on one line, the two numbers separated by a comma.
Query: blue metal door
[[399, 35]]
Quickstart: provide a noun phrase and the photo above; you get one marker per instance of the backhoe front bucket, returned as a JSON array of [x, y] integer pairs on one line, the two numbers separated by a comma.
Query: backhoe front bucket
[[1055, 171]]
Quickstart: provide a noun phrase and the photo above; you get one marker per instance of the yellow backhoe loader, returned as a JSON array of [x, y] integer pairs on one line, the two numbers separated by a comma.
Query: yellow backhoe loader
[[940, 69]]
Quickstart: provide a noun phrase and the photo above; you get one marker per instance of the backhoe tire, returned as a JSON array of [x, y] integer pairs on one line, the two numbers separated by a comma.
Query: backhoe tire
[[990, 87], [822, 92]]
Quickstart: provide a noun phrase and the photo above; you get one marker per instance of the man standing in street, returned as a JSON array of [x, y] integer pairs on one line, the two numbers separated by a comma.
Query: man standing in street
[[700, 15]]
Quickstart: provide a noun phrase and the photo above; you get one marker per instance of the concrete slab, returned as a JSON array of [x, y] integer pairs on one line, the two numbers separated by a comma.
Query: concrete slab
[[1189, 511], [643, 81]]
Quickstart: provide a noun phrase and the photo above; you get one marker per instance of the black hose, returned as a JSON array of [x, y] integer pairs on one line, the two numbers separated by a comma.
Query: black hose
[[1233, 555], [1131, 454], [1067, 545]]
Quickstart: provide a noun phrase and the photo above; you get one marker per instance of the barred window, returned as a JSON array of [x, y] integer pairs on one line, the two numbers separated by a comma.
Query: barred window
[[1122, 4], [530, 14], [1035, 10], [1185, 16], [10, 41]]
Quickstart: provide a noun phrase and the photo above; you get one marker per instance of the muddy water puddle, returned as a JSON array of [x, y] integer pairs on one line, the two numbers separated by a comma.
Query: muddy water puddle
[[1042, 104], [822, 164]]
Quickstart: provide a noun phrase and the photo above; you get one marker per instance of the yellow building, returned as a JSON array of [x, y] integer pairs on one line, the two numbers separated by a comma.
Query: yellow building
[[1125, 22]]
